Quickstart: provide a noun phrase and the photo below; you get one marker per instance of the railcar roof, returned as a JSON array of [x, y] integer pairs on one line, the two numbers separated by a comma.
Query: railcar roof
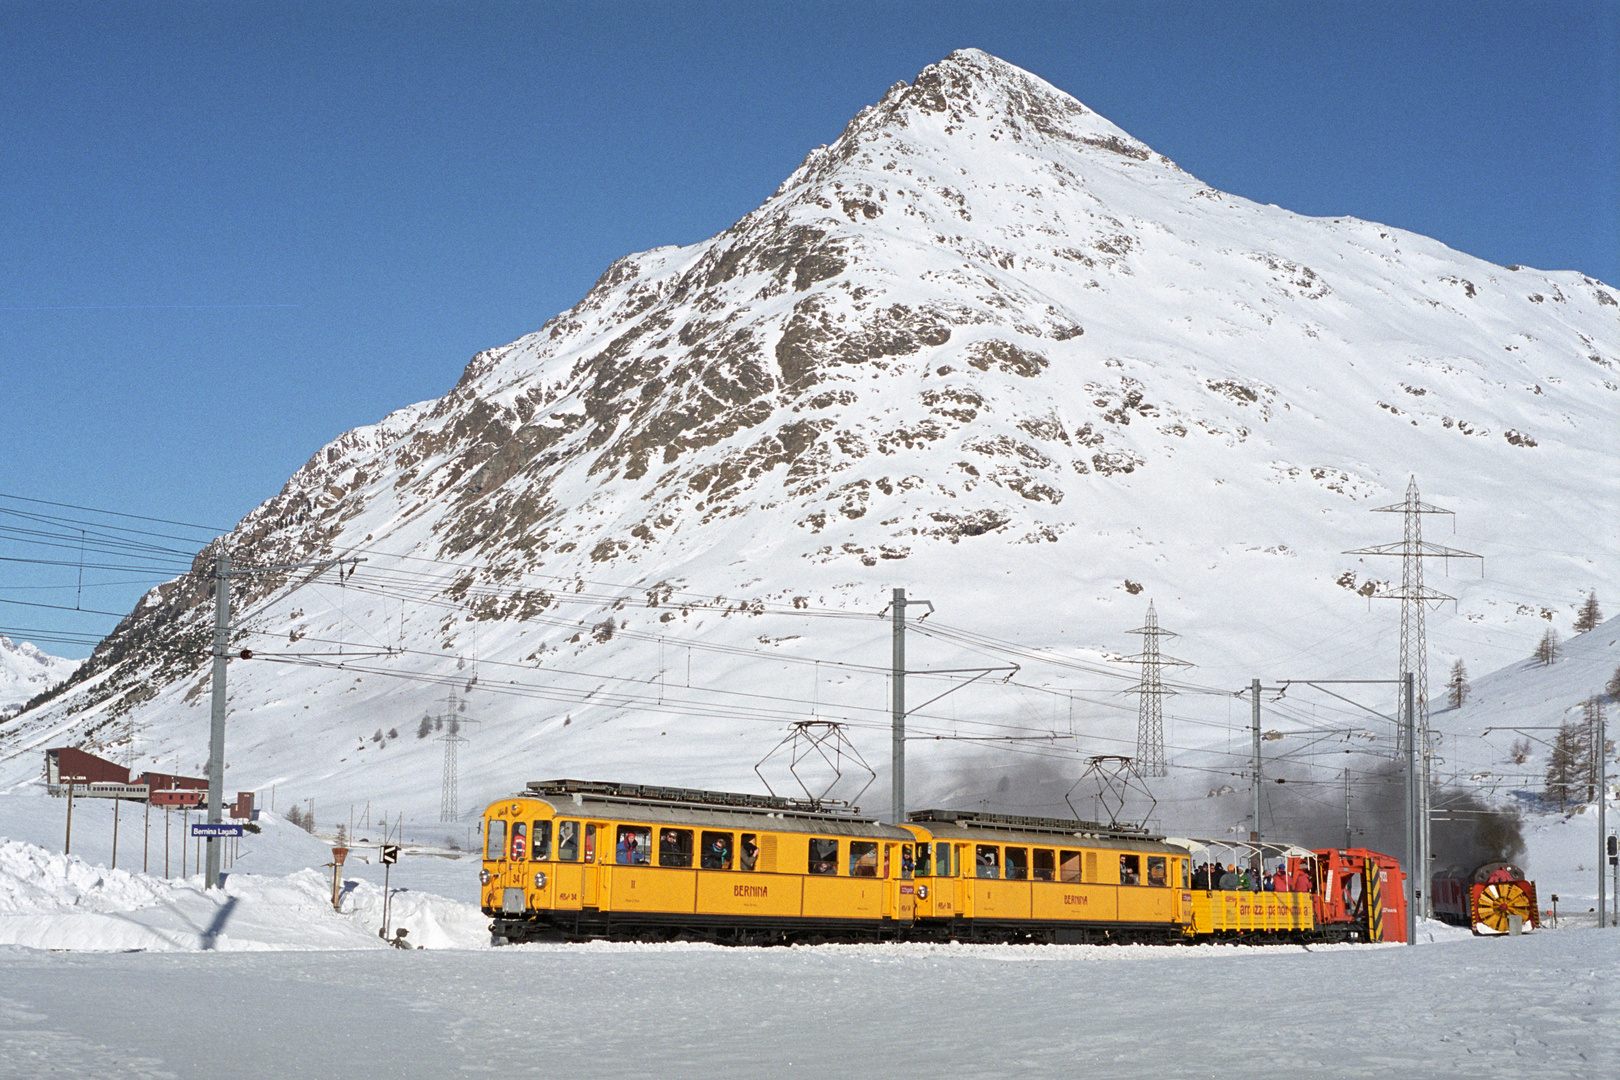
[[968, 829], [700, 809]]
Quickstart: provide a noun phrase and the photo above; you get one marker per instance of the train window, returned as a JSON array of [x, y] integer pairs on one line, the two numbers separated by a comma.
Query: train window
[[675, 847], [1091, 867], [1130, 869], [540, 841], [925, 860], [520, 841], [1044, 865], [906, 865], [888, 857], [590, 842], [1069, 866], [823, 856], [716, 851], [942, 860], [988, 860], [750, 851], [1017, 864], [1157, 875], [495, 848], [863, 859], [568, 841], [634, 846]]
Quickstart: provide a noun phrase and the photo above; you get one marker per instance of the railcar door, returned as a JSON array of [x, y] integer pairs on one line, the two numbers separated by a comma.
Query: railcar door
[[588, 876]]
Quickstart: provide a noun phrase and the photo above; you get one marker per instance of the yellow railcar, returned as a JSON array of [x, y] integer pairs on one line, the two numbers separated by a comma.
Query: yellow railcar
[[999, 877], [569, 859]]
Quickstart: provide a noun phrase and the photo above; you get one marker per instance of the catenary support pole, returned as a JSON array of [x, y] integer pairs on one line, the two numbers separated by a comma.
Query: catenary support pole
[[146, 840], [1413, 893], [67, 841], [216, 734], [1602, 800], [117, 803], [1347, 843], [1254, 689], [897, 678]]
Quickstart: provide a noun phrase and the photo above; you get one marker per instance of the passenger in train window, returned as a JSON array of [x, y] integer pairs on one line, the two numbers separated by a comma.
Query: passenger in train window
[[988, 861], [863, 859], [1157, 875], [1279, 879], [1228, 879], [716, 851], [906, 865], [634, 847], [1017, 864], [520, 841], [675, 848], [1130, 869], [540, 842], [823, 856], [568, 841], [925, 860], [750, 851]]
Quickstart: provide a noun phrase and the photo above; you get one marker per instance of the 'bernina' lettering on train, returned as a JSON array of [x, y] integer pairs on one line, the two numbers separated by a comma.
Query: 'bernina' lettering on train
[[750, 890], [1070, 898]]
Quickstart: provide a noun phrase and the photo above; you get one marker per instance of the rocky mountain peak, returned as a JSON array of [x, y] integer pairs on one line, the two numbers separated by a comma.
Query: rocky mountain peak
[[983, 337]]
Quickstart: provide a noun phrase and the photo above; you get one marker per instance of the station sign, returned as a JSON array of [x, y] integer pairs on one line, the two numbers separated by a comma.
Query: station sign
[[206, 828]]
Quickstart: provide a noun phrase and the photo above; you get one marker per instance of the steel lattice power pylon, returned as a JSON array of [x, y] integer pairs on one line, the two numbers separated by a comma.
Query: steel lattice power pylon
[[451, 719], [1150, 714], [1414, 596]]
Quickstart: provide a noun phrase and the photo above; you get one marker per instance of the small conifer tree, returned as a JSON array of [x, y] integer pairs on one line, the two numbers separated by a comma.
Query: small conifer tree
[[1589, 615], [1547, 651], [1563, 765], [1612, 687], [1457, 686]]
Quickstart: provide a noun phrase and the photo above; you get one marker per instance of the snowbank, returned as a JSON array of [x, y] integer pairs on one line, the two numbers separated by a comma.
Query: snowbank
[[53, 901]]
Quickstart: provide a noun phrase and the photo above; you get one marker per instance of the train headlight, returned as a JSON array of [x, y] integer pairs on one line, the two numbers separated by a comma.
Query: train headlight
[[483, 877], [922, 892], [540, 880]]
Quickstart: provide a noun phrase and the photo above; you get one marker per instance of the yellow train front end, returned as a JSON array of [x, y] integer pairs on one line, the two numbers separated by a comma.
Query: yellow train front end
[[571, 860]]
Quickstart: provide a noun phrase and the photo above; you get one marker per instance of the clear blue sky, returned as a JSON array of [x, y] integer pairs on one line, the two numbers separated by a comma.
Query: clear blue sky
[[231, 231]]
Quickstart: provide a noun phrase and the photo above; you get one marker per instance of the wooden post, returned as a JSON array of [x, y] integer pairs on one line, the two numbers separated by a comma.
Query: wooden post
[[339, 854]]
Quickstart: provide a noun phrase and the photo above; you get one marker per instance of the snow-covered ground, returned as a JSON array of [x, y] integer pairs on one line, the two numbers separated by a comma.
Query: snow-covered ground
[[278, 893], [1540, 1005]]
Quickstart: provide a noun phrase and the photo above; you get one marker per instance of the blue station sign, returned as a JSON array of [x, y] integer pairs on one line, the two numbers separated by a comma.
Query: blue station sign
[[203, 828]]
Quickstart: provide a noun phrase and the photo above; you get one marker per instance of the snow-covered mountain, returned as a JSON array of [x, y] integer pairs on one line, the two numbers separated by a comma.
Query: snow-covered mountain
[[986, 346], [26, 670]]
